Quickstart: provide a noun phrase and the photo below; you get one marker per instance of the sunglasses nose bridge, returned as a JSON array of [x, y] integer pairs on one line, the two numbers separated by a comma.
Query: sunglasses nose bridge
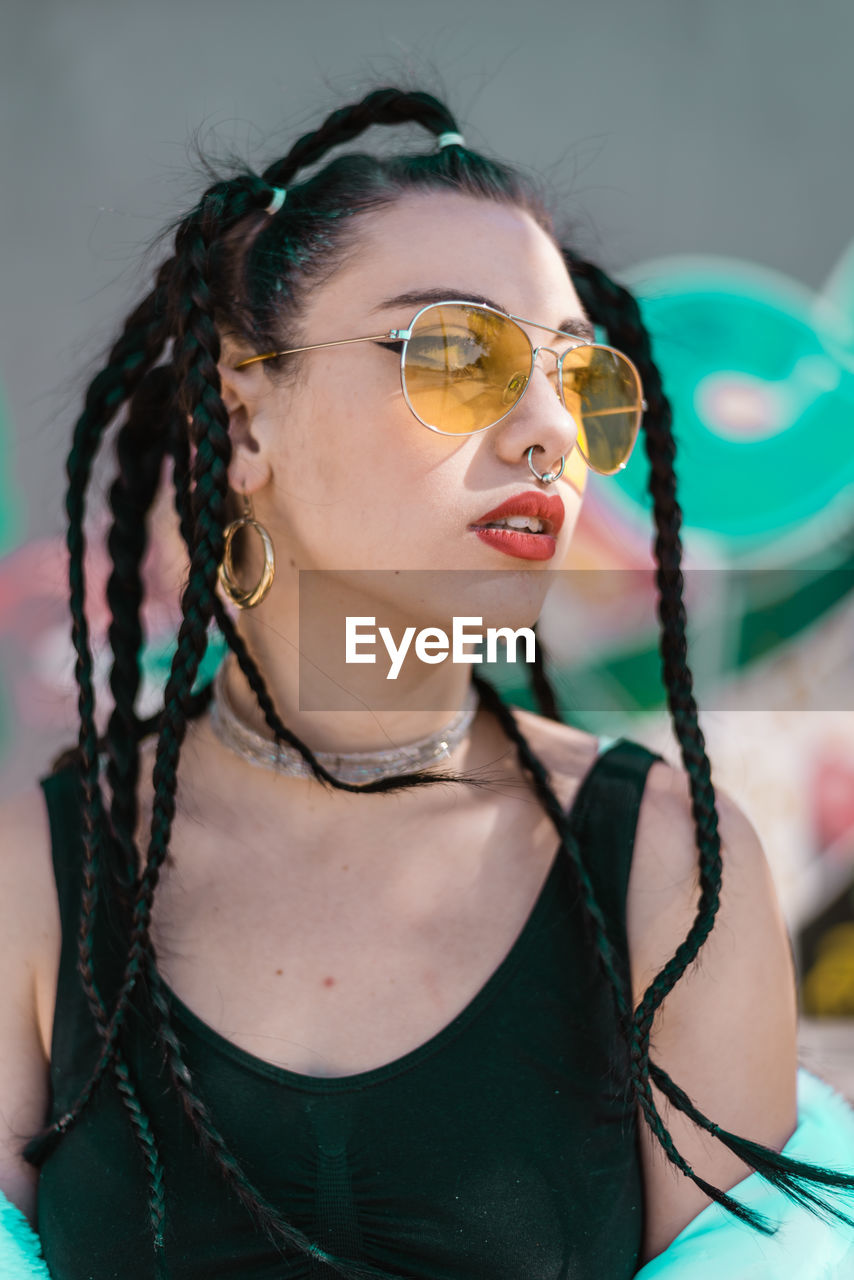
[[535, 354]]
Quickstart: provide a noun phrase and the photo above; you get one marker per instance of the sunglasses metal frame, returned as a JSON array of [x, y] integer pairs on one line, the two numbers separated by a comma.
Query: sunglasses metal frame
[[404, 335]]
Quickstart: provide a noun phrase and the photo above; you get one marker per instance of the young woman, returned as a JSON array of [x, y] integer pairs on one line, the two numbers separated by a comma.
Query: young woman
[[329, 1000]]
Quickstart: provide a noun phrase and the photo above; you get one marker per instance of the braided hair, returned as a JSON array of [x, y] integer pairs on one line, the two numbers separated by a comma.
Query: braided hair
[[240, 269]]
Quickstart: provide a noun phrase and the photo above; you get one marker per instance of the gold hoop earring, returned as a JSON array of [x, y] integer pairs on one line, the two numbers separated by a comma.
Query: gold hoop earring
[[246, 599]]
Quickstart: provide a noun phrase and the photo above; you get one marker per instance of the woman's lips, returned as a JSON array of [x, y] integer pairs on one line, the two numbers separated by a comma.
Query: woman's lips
[[514, 542], [548, 508]]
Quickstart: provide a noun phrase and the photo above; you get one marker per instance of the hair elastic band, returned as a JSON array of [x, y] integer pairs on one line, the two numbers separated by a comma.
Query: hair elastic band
[[278, 200], [450, 140]]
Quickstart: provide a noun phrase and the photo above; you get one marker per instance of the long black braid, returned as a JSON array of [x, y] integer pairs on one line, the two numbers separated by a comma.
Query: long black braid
[[235, 264], [612, 306], [138, 347], [141, 449]]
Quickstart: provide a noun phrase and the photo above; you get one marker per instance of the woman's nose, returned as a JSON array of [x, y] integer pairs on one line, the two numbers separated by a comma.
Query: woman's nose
[[539, 417]]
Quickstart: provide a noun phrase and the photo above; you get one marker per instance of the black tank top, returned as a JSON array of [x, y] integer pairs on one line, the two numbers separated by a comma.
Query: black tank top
[[504, 1148]]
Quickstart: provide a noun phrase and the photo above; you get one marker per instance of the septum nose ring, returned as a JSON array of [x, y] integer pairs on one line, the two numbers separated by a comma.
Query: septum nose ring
[[547, 476]]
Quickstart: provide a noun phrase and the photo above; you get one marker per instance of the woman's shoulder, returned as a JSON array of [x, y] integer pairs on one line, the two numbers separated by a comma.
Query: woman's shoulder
[[29, 946], [30, 908], [669, 855], [726, 1032], [666, 837], [664, 880]]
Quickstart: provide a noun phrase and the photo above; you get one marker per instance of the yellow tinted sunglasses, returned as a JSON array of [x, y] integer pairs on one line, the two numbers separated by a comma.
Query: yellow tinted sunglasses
[[464, 366]]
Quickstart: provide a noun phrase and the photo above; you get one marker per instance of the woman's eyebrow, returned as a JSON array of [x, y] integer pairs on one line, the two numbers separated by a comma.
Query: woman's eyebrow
[[578, 328], [421, 297]]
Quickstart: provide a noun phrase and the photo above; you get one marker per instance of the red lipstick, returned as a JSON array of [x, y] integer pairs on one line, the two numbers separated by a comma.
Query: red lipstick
[[524, 544]]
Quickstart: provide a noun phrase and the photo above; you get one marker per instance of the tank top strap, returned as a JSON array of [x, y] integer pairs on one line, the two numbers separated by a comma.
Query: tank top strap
[[604, 821]]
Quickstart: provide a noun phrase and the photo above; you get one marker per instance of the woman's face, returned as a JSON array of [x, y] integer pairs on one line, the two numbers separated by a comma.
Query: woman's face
[[355, 480]]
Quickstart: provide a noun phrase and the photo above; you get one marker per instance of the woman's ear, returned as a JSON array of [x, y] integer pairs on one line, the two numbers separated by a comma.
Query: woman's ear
[[242, 392]]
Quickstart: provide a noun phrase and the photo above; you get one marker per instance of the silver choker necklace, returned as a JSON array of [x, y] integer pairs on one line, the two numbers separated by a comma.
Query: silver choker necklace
[[350, 766]]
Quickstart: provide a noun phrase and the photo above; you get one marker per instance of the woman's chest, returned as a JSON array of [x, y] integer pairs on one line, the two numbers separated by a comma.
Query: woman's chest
[[342, 957]]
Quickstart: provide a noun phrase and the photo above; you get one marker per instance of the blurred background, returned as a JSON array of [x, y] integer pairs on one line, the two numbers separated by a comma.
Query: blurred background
[[702, 154]]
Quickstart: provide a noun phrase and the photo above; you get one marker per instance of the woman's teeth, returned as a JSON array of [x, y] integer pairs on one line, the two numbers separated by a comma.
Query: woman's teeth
[[531, 523]]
